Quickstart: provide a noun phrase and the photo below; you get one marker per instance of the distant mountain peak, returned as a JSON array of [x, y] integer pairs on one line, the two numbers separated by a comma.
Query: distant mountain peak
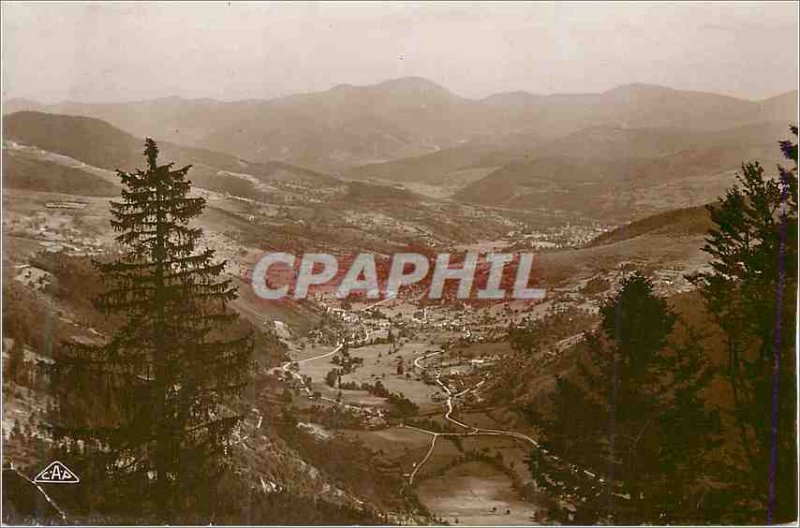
[[412, 82], [656, 90], [639, 88], [401, 85], [790, 95], [516, 96]]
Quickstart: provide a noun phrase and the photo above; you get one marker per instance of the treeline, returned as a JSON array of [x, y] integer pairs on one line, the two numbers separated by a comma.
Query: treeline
[[400, 405]]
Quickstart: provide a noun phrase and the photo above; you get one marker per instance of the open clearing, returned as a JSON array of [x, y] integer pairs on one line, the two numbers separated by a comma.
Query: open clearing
[[475, 494]]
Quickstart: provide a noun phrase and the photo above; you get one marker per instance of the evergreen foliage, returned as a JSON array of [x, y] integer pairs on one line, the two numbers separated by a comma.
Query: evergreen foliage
[[751, 291], [622, 420], [147, 416]]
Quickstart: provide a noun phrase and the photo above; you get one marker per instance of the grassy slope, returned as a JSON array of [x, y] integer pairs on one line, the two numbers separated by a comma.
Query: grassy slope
[[27, 173]]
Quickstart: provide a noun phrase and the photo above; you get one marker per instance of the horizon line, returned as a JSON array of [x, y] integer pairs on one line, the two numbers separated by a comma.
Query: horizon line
[[4, 99]]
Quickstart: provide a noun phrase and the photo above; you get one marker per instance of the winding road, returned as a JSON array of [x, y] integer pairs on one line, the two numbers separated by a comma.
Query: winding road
[[451, 397], [473, 431]]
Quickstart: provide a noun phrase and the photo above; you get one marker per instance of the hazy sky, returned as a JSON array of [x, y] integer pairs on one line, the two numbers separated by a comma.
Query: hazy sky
[[229, 50]]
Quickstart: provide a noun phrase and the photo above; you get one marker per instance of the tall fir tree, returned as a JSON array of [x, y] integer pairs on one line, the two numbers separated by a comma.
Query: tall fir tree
[[149, 414], [623, 416], [751, 291]]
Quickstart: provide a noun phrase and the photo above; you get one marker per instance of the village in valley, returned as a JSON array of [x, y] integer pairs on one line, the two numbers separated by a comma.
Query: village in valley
[[163, 338]]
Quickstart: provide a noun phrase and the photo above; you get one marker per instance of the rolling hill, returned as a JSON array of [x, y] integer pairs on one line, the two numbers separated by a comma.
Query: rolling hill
[[100, 144], [266, 204], [31, 174], [687, 221], [622, 174]]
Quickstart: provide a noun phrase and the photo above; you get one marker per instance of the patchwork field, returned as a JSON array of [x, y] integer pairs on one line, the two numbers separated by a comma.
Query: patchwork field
[[476, 494]]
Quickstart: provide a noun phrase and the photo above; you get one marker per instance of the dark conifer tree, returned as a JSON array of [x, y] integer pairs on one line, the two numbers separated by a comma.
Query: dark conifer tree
[[751, 292], [148, 415], [623, 416]]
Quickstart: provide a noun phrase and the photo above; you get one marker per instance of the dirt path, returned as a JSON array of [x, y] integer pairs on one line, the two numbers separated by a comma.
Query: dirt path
[[476, 431]]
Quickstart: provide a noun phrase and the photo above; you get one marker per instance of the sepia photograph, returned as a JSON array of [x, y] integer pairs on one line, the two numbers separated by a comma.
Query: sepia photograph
[[446, 263]]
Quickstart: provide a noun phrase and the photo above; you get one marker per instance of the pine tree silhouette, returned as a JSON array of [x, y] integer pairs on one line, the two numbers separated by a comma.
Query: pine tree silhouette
[[625, 414], [751, 292], [155, 406]]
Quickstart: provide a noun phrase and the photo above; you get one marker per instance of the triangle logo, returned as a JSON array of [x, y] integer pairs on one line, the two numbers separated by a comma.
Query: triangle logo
[[56, 473]]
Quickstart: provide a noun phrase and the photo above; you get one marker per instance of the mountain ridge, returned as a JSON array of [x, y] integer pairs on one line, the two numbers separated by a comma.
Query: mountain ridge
[[348, 126], [386, 83]]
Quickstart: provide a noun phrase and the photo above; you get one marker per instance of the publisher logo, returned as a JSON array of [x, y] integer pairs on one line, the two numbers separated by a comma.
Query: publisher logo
[[56, 473]]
